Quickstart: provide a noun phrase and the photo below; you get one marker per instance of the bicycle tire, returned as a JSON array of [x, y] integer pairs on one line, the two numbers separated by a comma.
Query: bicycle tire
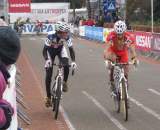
[[58, 97], [124, 100], [117, 103], [53, 103], [53, 96], [116, 99]]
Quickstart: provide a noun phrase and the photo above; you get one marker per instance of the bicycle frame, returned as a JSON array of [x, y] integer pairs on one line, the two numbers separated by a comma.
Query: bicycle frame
[[59, 75], [118, 75], [121, 87], [57, 88]]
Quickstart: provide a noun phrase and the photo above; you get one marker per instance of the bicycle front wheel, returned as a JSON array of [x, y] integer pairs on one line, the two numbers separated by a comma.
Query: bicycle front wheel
[[116, 99], [58, 97], [124, 99]]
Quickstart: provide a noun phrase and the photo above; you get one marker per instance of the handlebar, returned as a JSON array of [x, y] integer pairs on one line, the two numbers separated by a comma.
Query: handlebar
[[128, 63], [118, 63], [61, 65]]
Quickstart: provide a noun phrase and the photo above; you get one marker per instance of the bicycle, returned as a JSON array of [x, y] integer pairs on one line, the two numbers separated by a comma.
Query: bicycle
[[57, 88], [120, 92]]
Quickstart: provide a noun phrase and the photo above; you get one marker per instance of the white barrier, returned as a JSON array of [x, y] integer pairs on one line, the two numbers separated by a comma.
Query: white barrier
[[10, 96]]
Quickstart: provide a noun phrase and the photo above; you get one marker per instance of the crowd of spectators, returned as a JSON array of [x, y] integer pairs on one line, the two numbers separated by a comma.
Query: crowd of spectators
[[101, 21]]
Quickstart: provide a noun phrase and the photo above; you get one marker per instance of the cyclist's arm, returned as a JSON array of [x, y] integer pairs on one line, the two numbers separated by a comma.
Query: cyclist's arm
[[108, 45], [72, 53], [45, 48], [71, 49], [45, 52], [133, 51]]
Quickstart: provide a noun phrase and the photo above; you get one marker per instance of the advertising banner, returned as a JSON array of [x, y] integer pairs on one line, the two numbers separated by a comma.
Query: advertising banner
[[156, 42], [51, 12], [82, 31], [94, 33], [98, 33], [88, 32], [19, 6], [31, 28], [143, 40], [106, 31]]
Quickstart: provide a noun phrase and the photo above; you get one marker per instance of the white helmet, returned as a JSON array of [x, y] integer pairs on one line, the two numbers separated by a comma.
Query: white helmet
[[62, 26], [120, 27]]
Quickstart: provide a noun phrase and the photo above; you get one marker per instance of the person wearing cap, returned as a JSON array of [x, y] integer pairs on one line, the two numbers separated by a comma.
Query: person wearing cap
[[55, 46], [9, 52]]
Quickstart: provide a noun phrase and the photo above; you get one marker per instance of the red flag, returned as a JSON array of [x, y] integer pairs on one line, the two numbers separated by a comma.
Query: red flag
[[19, 6]]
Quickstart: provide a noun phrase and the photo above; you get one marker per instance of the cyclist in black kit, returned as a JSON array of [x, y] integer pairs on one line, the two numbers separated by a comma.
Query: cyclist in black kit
[[55, 46]]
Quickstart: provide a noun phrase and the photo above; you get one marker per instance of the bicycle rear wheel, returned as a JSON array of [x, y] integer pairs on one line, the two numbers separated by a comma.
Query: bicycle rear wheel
[[58, 97], [124, 100]]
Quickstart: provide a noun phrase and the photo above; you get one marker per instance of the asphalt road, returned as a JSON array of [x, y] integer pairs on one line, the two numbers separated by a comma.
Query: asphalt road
[[88, 105]]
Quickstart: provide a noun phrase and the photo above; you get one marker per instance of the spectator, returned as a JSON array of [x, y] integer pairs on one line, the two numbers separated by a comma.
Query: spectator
[[62, 20], [3, 18], [46, 22], [100, 22], [38, 27], [9, 52], [115, 17], [28, 21], [108, 18], [90, 22], [77, 21], [2, 22]]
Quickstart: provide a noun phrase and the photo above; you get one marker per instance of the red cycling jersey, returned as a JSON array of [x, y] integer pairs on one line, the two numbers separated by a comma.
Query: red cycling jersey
[[120, 48]]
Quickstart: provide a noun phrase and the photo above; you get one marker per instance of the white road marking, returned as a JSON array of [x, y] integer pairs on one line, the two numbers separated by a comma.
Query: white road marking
[[116, 122], [69, 124], [154, 91], [148, 110]]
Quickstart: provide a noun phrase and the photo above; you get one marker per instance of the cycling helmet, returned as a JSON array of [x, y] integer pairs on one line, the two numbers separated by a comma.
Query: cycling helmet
[[62, 26], [120, 27]]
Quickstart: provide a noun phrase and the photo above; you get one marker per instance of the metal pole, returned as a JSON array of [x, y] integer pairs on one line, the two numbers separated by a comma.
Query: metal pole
[[124, 5], [152, 20], [5, 9]]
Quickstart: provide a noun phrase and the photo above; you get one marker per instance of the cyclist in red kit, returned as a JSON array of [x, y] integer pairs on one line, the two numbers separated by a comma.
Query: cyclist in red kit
[[119, 42]]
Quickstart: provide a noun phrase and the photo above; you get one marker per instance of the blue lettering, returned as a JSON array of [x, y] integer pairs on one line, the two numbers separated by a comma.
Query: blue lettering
[[24, 28], [44, 27], [50, 28], [30, 27]]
